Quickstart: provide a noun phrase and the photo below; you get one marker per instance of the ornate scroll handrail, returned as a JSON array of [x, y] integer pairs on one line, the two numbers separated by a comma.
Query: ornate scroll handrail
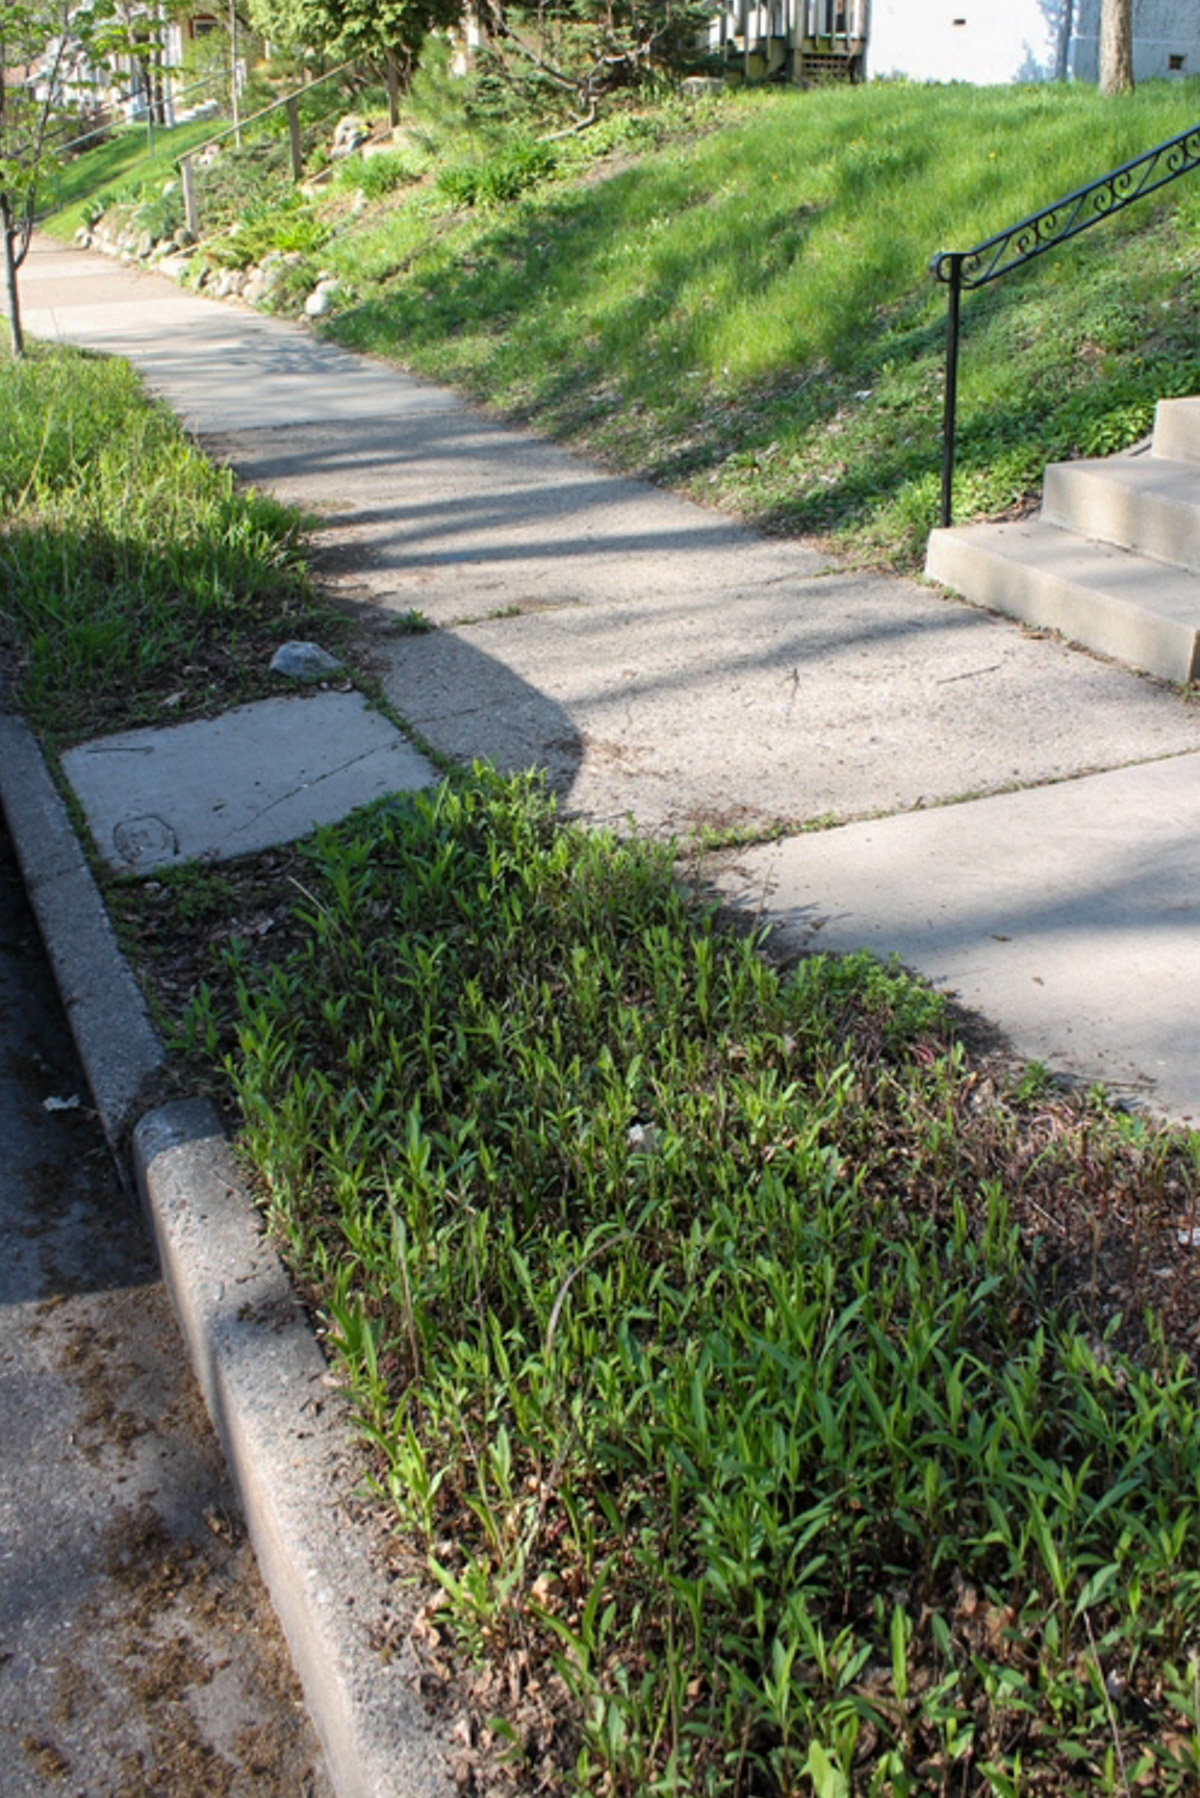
[[1033, 236]]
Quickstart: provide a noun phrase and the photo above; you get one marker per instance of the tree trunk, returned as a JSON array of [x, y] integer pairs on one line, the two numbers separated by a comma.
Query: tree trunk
[[391, 69], [9, 231], [1116, 47]]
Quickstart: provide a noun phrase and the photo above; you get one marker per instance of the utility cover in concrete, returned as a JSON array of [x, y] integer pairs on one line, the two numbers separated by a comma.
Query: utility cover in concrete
[[221, 787]]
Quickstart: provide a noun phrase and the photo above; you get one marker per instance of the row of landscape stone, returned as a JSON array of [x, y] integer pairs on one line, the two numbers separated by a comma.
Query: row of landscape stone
[[176, 257], [176, 253]]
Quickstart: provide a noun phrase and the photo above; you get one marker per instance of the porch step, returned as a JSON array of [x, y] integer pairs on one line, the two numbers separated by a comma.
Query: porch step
[[1128, 606], [1113, 559], [1177, 429], [1146, 503]]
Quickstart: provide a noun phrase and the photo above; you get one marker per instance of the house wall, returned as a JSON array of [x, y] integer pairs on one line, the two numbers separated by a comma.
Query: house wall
[[978, 41], [985, 41], [1164, 31]]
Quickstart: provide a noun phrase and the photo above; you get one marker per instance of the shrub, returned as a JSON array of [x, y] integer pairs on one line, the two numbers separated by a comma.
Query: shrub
[[499, 178], [379, 174]]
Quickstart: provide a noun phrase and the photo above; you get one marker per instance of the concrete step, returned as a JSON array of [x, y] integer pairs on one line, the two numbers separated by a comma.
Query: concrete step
[[1146, 503], [1132, 607], [1177, 429]]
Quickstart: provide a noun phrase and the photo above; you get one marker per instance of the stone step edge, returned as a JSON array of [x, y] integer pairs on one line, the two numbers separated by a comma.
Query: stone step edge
[[1164, 526], [1098, 620]]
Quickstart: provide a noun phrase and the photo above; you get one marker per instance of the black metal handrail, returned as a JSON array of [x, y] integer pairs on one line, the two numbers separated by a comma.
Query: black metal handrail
[[1033, 236]]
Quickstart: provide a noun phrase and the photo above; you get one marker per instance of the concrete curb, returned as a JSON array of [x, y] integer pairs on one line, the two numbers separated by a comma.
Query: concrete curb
[[283, 1426], [117, 1043], [287, 1438]]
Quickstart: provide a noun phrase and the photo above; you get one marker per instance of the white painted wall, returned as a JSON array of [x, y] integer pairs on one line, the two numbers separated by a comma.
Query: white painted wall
[[1163, 30], [986, 41], [979, 41]]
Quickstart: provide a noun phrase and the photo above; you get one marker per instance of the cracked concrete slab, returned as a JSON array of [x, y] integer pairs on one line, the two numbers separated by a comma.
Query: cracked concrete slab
[[835, 695], [457, 516], [215, 788], [1067, 913]]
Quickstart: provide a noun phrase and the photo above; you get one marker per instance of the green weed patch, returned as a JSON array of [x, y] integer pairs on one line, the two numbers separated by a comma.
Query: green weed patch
[[131, 569], [782, 1408]]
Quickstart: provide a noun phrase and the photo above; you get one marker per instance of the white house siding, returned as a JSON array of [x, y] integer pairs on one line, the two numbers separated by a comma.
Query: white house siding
[[1166, 39], [980, 41], [984, 41]]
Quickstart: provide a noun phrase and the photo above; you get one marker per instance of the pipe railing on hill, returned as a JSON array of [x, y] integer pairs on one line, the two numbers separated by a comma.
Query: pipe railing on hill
[[1033, 236], [291, 101], [106, 119]]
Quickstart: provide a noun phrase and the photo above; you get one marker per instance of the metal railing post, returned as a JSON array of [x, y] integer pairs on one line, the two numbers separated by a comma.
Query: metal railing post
[[191, 211], [950, 408], [293, 116]]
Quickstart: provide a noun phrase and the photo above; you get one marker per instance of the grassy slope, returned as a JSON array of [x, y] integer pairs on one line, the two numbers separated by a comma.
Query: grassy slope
[[746, 311], [121, 162]]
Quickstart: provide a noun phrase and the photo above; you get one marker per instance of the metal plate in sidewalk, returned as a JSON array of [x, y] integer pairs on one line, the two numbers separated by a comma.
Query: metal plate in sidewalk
[[215, 788]]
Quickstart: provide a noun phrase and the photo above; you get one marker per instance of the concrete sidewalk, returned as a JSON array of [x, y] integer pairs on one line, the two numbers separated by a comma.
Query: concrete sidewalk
[[660, 660], [669, 666]]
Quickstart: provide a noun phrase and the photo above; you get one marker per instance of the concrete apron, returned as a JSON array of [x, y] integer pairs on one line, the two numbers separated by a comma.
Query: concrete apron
[[671, 667]]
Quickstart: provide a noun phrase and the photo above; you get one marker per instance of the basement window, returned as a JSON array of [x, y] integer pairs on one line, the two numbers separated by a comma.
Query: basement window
[[1175, 63]]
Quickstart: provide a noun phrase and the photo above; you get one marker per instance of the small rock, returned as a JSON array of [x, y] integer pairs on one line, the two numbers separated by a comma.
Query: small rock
[[349, 133], [320, 300], [228, 284], [303, 661]]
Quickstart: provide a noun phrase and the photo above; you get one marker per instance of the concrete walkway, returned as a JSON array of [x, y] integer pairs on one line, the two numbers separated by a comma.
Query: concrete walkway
[[665, 664]]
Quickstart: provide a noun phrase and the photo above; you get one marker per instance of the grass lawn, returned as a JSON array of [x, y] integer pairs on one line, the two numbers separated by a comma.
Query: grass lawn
[[783, 1401], [123, 161], [731, 295], [743, 308], [135, 582]]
